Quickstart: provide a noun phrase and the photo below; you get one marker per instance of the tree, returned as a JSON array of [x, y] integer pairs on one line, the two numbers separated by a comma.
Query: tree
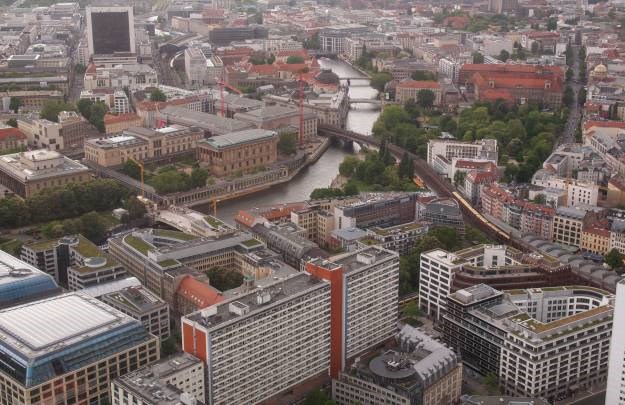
[[12, 122], [459, 177], [569, 74], [287, 143], [406, 167], [51, 109], [426, 98], [130, 168], [318, 397], [294, 60], [552, 24], [322, 193], [168, 346], [540, 199], [136, 209], [569, 97], [14, 104], [198, 177], [614, 259], [348, 165], [379, 80], [478, 57], [79, 68], [96, 115], [84, 107], [423, 75], [491, 380], [504, 55], [570, 56], [312, 42], [581, 96], [93, 227], [447, 236], [224, 279], [411, 312], [157, 95]]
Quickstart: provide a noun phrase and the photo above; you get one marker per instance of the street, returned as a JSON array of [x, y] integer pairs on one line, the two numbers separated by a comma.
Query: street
[[575, 111]]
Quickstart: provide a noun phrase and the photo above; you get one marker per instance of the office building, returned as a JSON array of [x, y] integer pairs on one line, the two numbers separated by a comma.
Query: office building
[[142, 305], [22, 282], [332, 39], [110, 30], [398, 238], [241, 151], [376, 209], [441, 152], [221, 36], [26, 173], [417, 369], [66, 350], [143, 144], [178, 379], [615, 393], [93, 270], [442, 212], [541, 342], [288, 330]]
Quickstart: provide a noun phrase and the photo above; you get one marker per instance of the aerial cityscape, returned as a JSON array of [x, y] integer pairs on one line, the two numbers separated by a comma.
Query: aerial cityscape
[[312, 202]]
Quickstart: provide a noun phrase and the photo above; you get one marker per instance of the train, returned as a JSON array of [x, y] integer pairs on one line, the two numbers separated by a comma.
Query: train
[[492, 228]]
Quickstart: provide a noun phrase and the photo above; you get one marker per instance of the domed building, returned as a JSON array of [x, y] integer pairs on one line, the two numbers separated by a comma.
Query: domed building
[[599, 72]]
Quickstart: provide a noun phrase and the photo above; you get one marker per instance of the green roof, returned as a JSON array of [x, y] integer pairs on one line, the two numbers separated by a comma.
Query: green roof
[[166, 233], [43, 244], [250, 242], [139, 244], [86, 248], [168, 262], [212, 221]]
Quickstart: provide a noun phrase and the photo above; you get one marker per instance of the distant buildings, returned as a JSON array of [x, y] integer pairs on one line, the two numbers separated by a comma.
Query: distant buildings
[[201, 69], [12, 139], [68, 348], [110, 30], [541, 342], [410, 89], [442, 152], [25, 173], [142, 144], [178, 379], [335, 311], [281, 119], [241, 151], [69, 133], [332, 39], [131, 76], [376, 209], [418, 369], [516, 84], [221, 36]]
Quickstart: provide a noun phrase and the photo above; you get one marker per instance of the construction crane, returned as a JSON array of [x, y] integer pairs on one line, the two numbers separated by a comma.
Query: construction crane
[[141, 169], [222, 83]]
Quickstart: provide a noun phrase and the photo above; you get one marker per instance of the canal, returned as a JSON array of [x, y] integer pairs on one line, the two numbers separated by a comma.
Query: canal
[[360, 118]]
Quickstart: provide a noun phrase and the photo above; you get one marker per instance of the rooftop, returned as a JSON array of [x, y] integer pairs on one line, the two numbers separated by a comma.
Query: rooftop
[[212, 123], [136, 300], [237, 138], [19, 280], [25, 167]]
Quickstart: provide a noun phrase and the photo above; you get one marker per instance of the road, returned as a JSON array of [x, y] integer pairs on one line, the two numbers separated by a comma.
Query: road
[[575, 112]]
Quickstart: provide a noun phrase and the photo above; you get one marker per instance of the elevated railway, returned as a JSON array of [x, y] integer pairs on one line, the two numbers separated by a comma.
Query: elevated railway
[[434, 182]]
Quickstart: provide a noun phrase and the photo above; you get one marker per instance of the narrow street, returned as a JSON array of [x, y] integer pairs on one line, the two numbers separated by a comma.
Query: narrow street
[[575, 112]]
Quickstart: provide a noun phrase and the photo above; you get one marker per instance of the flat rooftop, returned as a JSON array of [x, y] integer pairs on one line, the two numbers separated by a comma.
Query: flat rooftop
[[234, 139], [36, 329], [136, 300], [278, 291], [12, 165], [212, 123]]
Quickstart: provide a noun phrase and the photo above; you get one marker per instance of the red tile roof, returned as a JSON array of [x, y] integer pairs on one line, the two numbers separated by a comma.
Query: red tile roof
[[11, 133], [115, 119], [201, 294], [604, 124], [266, 70]]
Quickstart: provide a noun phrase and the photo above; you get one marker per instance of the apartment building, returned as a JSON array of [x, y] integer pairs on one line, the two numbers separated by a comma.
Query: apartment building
[[241, 151], [441, 151], [12, 139], [435, 277], [596, 237], [317, 222], [26, 173], [176, 379], [309, 322], [66, 349], [578, 192], [615, 393], [332, 39], [142, 144], [376, 209], [542, 342], [418, 369], [143, 306], [398, 238], [568, 224]]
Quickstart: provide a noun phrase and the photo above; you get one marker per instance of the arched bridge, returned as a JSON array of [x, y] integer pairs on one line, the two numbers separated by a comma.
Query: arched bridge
[[432, 179]]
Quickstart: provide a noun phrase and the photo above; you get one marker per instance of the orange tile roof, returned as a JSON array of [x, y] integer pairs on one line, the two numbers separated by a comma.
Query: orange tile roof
[[263, 69], [115, 119], [604, 124], [201, 294], [11, 133]]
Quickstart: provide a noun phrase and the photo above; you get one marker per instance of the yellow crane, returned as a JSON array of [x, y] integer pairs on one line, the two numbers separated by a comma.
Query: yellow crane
[[141, 168]]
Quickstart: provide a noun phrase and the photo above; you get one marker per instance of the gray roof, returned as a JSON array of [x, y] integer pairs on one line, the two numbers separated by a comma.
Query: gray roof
[[237, 138], [212, 123]]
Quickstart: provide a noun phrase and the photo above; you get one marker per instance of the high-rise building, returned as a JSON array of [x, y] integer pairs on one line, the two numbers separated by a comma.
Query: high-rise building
[[285, 331], [110, 30], [66, 350], [615, 393], [542, 342]]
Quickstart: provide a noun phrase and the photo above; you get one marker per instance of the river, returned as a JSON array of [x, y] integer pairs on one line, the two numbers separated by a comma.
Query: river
[[359, 119]]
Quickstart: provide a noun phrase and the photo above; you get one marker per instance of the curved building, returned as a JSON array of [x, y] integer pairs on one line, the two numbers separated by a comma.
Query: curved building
[[21, 282]]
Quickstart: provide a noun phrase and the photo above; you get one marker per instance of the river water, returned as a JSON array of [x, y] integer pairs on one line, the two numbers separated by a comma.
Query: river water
[[360, 118]]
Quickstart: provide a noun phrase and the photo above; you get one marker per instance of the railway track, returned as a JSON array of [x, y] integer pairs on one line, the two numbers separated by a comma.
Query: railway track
[[434, 182]]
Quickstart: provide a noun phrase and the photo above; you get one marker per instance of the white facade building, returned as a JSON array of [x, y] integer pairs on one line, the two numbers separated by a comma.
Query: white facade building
[[615, 393]]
